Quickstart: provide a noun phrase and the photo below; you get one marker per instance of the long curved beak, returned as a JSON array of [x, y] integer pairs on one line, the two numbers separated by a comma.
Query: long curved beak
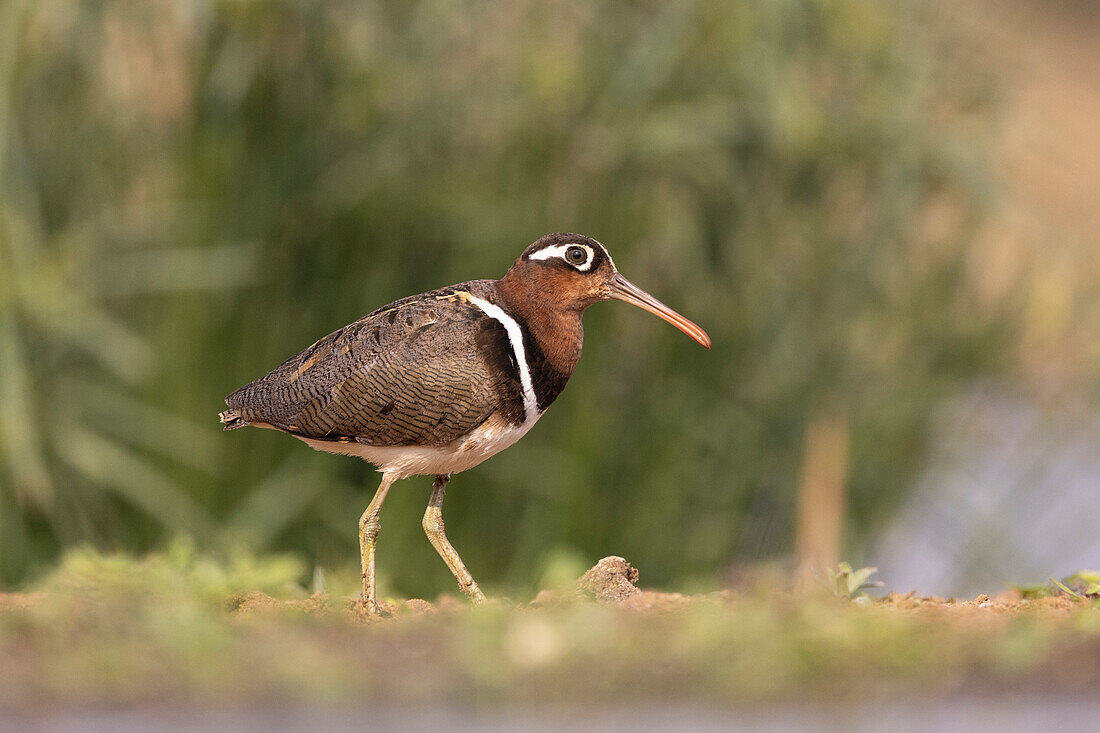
[[623, 289]]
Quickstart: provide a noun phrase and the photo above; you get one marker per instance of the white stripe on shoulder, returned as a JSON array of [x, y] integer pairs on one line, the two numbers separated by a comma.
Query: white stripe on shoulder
[[515, 338]]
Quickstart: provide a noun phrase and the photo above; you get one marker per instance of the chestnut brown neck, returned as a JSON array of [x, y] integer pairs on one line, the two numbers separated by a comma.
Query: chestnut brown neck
[[550, 319]]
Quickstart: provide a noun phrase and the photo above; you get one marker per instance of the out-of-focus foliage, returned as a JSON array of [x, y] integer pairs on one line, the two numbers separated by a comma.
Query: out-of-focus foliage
[[105, 631], [180, 573], [191, 192]]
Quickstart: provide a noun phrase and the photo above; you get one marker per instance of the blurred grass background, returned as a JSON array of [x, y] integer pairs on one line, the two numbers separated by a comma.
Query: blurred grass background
[[191, 192]]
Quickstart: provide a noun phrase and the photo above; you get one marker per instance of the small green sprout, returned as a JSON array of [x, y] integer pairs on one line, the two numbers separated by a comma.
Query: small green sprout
[[1066, 589], [1080, 585], [1087, 582], [849, 583]]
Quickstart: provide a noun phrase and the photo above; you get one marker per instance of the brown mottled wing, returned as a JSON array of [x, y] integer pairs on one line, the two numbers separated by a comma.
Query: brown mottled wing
[[421, 371]]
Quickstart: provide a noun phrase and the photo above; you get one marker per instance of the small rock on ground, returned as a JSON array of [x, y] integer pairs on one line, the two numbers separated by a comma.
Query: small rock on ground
[[610, 581]]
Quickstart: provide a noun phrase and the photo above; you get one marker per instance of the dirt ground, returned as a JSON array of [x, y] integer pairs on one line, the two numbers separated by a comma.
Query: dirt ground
[[168, 630], [613, 582]]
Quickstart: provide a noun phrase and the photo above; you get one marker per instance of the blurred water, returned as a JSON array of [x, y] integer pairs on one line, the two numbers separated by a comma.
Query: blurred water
[[1011, 494]]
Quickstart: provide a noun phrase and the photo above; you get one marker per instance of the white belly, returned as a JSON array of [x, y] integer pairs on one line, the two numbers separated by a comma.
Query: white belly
[[488, 439]]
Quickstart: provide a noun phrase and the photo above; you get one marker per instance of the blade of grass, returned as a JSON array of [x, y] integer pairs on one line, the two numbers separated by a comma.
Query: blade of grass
[[19, 429], [128, 476], [1065, 589], [272, 505], [139, 423]]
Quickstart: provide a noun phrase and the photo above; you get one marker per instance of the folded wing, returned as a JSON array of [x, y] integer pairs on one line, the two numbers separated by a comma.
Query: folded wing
[[422, 371]]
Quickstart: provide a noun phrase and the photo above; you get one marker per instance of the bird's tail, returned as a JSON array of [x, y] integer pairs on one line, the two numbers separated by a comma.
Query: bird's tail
[[232, 419]]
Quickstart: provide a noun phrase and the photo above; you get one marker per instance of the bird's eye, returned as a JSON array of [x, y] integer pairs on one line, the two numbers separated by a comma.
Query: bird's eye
[[576, 255]]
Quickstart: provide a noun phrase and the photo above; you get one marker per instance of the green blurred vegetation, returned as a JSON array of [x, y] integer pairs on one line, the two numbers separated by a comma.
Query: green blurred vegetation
[[190, 193]]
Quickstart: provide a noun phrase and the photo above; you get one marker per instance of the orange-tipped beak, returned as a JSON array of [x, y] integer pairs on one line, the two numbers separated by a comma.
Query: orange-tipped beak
[[623, 289]]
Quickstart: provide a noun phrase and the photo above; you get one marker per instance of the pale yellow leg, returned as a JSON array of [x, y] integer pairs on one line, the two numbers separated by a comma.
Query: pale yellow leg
[[369, 524], [433, 527]]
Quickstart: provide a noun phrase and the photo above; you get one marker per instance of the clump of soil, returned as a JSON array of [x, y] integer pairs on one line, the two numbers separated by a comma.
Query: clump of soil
[[611, 580]]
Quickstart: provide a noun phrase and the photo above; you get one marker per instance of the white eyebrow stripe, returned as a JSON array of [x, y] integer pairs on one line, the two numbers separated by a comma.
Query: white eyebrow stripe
[[558, 250], [515, 338]]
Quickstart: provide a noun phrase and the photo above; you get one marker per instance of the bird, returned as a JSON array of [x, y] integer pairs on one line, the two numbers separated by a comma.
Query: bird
[[436, 383]]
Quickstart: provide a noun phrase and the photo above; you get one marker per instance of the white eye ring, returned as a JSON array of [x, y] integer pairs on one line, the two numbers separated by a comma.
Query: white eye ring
[[562, 250]]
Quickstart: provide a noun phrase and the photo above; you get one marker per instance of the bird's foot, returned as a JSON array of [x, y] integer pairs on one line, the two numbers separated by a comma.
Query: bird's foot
[[473, 592], [373, 609]]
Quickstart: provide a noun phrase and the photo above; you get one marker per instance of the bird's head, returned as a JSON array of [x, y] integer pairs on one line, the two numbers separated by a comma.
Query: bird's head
[[570, 272]]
